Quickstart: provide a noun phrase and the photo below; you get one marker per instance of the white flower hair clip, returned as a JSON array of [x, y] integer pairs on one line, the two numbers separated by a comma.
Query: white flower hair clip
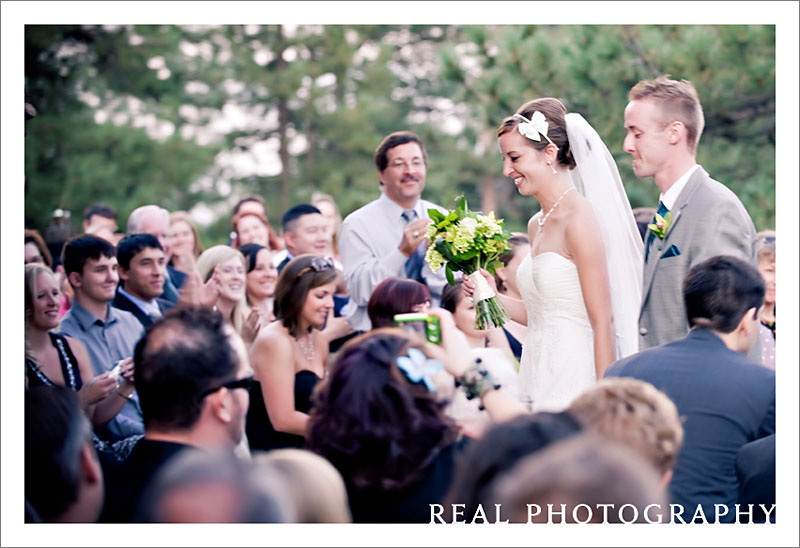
[[533, 128]]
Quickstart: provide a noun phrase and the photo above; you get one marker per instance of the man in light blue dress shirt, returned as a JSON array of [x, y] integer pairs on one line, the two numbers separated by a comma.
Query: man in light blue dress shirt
[[386, 237], [108, 334]]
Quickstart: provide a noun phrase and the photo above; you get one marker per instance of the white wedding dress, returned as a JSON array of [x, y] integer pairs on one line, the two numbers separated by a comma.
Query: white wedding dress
[[558, 352]]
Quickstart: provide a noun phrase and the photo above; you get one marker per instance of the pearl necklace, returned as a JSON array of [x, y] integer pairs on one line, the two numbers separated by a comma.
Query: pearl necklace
[[543, 220], [307, 347]]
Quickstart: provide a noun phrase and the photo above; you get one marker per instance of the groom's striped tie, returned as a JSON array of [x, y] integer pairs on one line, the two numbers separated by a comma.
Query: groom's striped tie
[[662, 210]]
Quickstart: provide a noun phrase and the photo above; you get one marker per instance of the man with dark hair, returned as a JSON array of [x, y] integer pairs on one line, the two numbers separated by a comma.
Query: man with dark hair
[[192, 376], [143, 270], [109, 334], [99, 214], [63, 478], [154, 220], [386, 237], [304, 230], [725, 399]]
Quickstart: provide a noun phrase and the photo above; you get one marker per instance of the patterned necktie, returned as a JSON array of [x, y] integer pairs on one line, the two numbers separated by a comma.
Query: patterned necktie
[[662, 210], [415, 261]]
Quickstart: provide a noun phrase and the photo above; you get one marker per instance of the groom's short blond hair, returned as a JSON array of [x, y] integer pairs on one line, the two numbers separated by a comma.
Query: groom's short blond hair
[[678, 100]]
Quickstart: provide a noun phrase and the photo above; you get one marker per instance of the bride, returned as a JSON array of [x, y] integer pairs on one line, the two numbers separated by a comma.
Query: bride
[[581, 283]]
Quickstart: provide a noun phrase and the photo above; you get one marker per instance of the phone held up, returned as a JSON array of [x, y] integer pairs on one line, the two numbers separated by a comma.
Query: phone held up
[[423, 324]]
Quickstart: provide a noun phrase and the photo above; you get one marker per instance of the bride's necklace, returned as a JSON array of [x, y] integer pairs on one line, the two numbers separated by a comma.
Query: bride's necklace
[[307, 347], [543, 220]]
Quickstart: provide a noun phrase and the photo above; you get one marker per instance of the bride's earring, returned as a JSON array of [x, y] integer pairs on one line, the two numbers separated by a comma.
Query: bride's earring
[[551, 167]]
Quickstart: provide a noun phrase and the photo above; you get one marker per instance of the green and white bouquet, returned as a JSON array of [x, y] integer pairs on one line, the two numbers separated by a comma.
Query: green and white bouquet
[[466, 241]]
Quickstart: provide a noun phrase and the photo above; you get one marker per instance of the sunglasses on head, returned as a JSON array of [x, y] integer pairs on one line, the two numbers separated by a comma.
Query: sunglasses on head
[[318, 264], [245, 383]]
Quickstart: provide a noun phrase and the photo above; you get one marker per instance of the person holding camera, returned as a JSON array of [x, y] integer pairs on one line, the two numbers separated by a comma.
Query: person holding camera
[[380, 420]]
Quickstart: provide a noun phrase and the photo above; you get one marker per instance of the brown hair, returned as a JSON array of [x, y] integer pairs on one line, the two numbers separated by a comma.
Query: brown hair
[[36, 239], [678, 100], [635, 413], [517, 240], [554, 111], [396, 139], [296, 279], [177, 216]]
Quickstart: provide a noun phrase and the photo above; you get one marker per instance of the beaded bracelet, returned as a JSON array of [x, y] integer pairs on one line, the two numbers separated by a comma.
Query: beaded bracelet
[[477, 381]]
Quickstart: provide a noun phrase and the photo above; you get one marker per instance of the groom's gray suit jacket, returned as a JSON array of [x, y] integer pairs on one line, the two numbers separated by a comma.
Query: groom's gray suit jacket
[[707, 220]]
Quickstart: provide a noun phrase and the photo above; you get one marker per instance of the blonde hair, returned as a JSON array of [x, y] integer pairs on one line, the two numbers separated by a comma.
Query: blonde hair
[[209, 259], [316, 487], [318, 197], [678, 100], [177, 216], [635, 413], [32, 271]]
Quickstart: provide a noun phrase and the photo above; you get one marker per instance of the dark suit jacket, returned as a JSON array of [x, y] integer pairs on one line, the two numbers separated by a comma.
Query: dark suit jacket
[[755, 466], [707, 220], [124, 303], [725, 402], [126, 482]]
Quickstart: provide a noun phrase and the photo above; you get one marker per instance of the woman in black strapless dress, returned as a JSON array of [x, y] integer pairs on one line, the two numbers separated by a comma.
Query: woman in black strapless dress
[[289, 355]]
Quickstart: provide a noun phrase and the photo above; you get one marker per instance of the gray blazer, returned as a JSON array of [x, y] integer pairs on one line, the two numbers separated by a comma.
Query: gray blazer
[[707, 220]]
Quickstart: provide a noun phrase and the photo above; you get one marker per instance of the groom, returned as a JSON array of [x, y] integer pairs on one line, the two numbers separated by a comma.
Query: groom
[[664, 121]]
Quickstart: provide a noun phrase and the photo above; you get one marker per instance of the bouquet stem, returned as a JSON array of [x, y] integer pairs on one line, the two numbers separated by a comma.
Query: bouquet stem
[[489, 311]]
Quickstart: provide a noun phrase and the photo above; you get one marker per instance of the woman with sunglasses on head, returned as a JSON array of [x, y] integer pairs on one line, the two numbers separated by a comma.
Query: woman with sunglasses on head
[[289, 355]]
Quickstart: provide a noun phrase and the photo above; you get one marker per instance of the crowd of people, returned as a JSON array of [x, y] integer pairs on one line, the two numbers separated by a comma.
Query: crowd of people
[[266, 380]]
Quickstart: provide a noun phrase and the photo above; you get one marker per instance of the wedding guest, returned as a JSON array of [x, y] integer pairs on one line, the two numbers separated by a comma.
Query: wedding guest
[[463, 310], [154, 220], [225, 267], [755, 469], [506, 278], [214, 487], [315, 487], [330, 211], [52, 359], [378, 419], [142, 268], [262, 277], [304, 230], [726, 401], [101, 220], [582, 473], [192, 375], [498, 451], [63, 478], [766, 267], [35, 249], [184, 244], [636, 414], [251, 226], [109, 334], [664, 121], [386, 237], [289, 355], [396, 296]]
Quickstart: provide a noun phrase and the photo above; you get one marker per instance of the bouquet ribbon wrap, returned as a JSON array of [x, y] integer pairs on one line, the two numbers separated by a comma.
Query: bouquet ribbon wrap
[[483, 290]]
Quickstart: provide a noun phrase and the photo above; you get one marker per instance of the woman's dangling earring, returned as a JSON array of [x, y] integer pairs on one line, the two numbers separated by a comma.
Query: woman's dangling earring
[[551, 167]]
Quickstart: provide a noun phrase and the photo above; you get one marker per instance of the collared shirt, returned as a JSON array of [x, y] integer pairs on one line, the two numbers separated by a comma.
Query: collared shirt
[[150, 308], [669, 197], [107, 342], [368, 241]]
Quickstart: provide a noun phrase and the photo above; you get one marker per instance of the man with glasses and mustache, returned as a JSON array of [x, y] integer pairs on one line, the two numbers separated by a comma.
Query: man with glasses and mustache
[[386, 237], [193, 378]]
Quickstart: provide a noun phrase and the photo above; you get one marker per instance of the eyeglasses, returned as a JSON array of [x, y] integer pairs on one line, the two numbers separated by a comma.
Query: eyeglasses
[[245, 383], [318, 264], [768, 239]]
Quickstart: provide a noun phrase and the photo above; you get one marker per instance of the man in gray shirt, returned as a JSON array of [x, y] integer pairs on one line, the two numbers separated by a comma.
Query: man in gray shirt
[[109, 334], [386, 237]]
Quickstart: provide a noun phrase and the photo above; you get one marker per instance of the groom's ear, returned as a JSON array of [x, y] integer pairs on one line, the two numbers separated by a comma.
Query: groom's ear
[[675, 132]]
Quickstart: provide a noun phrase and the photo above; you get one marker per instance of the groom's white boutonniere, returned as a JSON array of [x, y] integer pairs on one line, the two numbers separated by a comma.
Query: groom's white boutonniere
[[660, 227]]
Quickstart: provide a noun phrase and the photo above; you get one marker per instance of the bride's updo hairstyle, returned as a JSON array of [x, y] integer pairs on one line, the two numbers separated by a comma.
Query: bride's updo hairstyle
[[554, 111]]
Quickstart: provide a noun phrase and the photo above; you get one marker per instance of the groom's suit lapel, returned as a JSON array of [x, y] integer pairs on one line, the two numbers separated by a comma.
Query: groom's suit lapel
[[677, 213]]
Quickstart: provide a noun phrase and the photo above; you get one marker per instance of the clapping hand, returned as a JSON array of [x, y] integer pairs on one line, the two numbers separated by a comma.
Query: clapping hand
[[413, 235]]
